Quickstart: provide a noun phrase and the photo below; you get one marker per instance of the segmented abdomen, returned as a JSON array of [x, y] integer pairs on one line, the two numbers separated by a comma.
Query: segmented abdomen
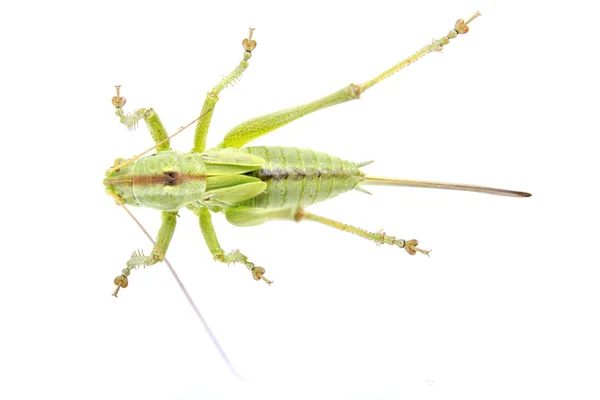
[[300, 177]]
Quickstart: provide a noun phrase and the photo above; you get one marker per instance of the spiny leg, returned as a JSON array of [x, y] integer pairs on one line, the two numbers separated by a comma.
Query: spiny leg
[[165, 234], [248, 216], [155, 127], [210, 236], [213, 96], [378, 237], [256, 127]]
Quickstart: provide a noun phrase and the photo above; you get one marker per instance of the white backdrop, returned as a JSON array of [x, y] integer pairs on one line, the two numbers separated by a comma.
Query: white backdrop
[[504, 307]]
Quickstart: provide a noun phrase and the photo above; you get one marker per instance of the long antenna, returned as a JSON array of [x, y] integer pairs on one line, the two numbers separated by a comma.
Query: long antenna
[[213, 338]]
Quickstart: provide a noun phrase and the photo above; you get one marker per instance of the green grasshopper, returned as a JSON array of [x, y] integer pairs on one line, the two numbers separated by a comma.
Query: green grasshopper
[[251, 185]]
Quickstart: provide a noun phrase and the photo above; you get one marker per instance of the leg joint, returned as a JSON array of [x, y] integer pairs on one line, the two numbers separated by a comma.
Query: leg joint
[[219, 256], [355, 90], [299, 215]]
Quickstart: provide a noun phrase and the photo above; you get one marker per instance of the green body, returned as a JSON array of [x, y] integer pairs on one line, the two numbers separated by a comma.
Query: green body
[[300, 177], [275, 177], [250, 185], [165, 181]]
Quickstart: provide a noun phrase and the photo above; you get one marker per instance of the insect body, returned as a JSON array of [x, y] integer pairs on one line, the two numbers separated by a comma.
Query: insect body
[[250, 185]]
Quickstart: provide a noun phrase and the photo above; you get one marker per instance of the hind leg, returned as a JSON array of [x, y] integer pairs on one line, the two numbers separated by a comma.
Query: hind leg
[[256, 127], [247, 216]]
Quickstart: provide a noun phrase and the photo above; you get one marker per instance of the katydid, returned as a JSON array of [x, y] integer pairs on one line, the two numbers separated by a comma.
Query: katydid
[[251, 185]]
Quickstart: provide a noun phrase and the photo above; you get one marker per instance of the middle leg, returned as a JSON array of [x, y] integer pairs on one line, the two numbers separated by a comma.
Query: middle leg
[[210, 236]]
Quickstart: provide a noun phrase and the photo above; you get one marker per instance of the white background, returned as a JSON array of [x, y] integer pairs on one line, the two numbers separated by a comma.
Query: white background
[[506, 306]]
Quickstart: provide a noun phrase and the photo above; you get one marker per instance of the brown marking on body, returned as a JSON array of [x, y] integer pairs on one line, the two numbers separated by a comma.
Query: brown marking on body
[[169, 178], [265, 174]]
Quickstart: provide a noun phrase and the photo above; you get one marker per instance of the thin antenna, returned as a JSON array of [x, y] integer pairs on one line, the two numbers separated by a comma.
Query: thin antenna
[[190, 300], [118, 167]]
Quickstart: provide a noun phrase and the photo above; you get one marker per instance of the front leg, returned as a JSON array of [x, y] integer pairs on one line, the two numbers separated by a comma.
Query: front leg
[[213, 96], [165, 234], [210, 236], [155, 126]]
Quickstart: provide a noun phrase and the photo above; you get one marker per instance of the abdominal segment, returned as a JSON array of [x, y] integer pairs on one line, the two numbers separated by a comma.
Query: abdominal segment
[[300, 177]]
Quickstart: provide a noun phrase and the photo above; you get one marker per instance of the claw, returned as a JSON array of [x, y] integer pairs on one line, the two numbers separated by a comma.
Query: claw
[[248, 43], [121, 281], [411, 248], [258, 274], [117, 100]]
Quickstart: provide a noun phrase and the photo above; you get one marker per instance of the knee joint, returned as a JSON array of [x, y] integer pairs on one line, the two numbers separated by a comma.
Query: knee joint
[[299, 214]]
